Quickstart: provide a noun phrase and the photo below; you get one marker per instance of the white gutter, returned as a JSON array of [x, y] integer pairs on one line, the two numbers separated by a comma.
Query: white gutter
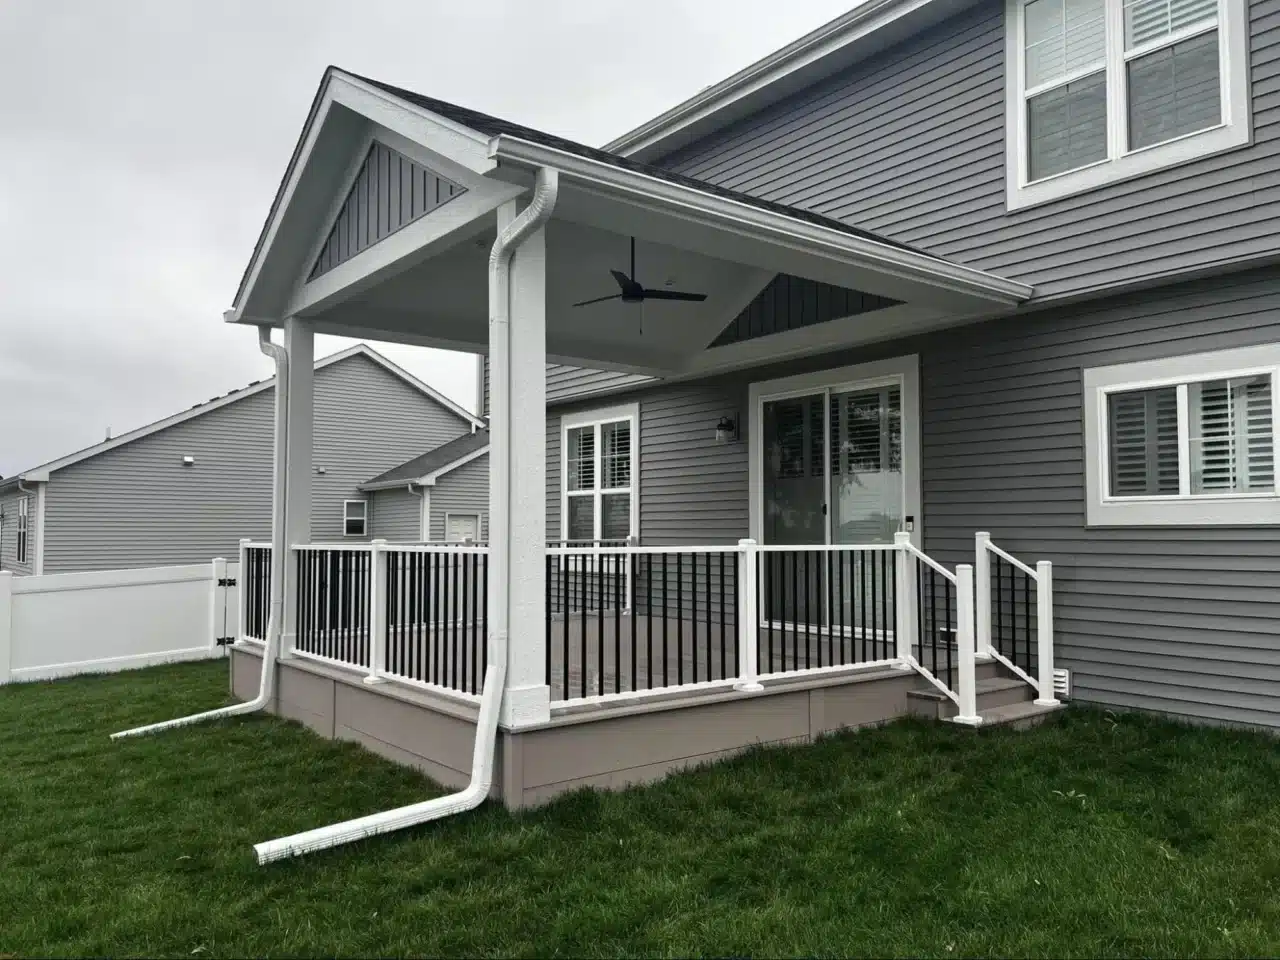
[[533, 217], [753, 221], [271, 649]]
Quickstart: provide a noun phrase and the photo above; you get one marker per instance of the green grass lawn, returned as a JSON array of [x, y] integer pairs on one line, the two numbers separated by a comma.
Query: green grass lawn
[[1091, 836]]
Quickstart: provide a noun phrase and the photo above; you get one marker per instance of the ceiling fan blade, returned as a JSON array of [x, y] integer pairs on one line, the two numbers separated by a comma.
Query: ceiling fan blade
[[674, 295], [616, 296], [629, 286]]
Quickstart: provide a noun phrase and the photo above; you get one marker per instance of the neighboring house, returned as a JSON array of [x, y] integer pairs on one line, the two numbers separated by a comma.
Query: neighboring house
[[949, 268], [187, 488], [442, 494]]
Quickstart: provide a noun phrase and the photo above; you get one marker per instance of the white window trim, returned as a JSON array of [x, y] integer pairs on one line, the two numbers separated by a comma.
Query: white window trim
[[464, 513], [22, 543], [365, 518], [1121, 163], [1184, 509], [594, 418], [903, 371]]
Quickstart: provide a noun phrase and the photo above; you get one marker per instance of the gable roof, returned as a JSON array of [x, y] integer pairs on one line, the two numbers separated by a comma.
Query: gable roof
[[41, 473], [427, 466], [490, 126], [868, 28]]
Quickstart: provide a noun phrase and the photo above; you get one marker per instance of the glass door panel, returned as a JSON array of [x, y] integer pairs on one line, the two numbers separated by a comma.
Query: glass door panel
[[866, 488], [794, 495]]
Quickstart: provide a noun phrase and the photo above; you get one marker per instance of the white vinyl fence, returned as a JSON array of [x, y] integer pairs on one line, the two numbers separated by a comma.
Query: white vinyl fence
[[59, 625]]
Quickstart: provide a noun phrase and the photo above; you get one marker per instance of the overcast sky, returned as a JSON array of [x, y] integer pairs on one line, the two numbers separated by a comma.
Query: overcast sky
[[141, 142]]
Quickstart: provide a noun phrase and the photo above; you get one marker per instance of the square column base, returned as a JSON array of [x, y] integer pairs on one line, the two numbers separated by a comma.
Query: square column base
[[525, 706]]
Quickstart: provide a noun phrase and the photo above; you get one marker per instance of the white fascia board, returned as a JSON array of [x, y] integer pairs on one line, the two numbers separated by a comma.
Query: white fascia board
[[808, 52], [764, 225]]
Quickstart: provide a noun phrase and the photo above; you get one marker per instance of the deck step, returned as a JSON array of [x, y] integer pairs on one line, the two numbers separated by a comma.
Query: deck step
[[1019, 716], [992, 692]]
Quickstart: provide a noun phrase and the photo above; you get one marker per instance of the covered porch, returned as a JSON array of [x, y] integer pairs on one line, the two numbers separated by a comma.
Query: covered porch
[[404, 218]]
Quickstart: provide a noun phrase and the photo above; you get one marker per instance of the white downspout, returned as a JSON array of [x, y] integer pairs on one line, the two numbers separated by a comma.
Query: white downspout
[[278, 559], [532, 218]]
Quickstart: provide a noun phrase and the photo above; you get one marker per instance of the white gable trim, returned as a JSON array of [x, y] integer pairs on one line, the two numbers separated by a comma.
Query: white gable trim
[[41, 474]]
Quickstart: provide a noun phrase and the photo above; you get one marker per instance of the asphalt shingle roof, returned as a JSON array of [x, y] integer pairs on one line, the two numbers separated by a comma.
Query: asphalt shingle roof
[[433, 460]]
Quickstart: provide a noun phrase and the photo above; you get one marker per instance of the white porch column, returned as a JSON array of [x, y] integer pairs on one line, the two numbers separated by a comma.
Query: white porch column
[[528, 698], [299, 341]]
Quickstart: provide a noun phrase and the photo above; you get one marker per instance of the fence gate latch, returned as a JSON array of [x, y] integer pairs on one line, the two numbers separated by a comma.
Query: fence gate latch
[[227, 582], [224, 641]]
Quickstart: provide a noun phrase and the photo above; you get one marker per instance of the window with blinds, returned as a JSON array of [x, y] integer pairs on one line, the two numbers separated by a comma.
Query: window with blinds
[[1228, 433], [1143, 442], [1101, 80], [598, 479]]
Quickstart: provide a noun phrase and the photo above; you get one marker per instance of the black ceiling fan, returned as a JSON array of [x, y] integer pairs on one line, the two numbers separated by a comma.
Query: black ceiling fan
[[633, 292]]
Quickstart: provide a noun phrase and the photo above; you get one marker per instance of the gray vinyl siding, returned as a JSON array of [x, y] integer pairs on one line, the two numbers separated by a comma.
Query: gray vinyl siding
[[462, 490], [139, 506], [565, 383], [9, 531], [911, 144], [1183, 620], [397, 515]]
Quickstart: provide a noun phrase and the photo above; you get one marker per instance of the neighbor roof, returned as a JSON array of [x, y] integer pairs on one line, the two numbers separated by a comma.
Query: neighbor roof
[[431, 464], [41, 473]]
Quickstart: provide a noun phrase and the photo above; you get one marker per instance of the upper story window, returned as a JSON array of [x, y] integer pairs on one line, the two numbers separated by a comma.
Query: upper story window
[[600, 449], [1103, 90], [1185, 441], [24, 528]]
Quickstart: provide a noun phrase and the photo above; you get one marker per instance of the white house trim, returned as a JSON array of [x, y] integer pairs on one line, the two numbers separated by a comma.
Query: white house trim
[[748, 220], [37, 560], [41, 473], [590, 418], [903, 371], [1184, 508], [1234, 130]]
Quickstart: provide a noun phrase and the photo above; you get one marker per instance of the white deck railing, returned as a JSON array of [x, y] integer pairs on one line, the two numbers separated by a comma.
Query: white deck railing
[[628, 622], [1003, 599]]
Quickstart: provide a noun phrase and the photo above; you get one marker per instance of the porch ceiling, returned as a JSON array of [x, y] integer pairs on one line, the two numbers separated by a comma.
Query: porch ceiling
[[428, 283]]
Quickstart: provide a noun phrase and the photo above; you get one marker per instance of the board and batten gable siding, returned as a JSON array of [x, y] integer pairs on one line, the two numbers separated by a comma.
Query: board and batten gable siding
[[911, 144], [396, 515], [138, 505], [1182, 620], [464, 489], [9, 531]]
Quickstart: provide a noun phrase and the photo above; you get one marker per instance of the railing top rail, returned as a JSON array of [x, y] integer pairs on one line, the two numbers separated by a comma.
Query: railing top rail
[[912, 548], [629, 551], [826, 547], [363, 547], [449, 548], [1029, 571], [257, 546]]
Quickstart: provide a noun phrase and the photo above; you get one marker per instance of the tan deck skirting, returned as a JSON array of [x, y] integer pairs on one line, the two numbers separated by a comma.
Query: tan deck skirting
[[603, 747]]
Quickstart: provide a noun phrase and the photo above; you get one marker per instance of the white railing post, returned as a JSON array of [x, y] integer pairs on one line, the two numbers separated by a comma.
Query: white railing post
[[242, 595], [748, 617], [377, 612], [905, 625], [982, 594], [6, 625], [632, 541], [1044, 630], [967, 680], [217, 602]]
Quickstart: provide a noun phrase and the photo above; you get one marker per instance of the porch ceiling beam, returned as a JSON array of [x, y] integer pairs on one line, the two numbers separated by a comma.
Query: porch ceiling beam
[[783, 233]]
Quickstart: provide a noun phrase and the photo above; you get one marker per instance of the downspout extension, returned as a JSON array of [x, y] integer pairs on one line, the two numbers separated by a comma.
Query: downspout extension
[[271, 651], [531, 219]]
